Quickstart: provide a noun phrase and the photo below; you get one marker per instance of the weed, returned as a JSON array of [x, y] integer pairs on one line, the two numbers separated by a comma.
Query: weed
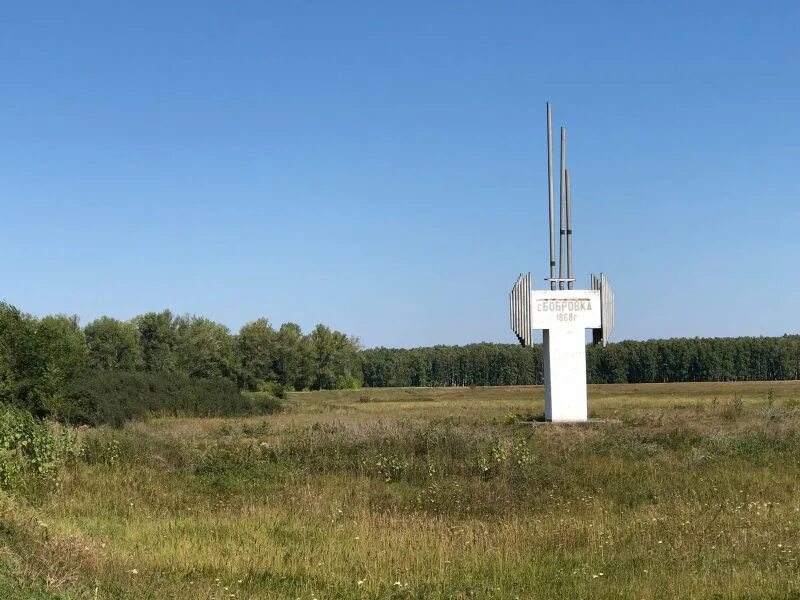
[[32, 451], [734, 409], [391, 467], [522, 453]]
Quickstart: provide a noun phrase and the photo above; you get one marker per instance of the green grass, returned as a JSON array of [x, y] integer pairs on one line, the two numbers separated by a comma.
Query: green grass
[[14, 585], [677, 491]]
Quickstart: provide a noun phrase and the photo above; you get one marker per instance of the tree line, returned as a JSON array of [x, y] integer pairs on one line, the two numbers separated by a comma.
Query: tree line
[[41, 359], [109, 369], [651, 361]]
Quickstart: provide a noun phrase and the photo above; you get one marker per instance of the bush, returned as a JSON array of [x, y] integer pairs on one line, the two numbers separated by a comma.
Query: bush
[[265, 403], [349, 382], [32, 451], [273, 388], [113, 397]]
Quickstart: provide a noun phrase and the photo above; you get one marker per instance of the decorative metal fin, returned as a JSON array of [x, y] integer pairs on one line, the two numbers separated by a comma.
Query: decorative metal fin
[[520, 308], [602, 335]]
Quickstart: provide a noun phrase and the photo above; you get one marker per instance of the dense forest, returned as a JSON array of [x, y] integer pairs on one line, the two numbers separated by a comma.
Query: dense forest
[[112, 370], [651, 361]]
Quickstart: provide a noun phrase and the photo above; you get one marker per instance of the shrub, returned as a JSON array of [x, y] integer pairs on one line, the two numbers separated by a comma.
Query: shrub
[[273, 388], [113, 397], [349, 382], [264, 403]]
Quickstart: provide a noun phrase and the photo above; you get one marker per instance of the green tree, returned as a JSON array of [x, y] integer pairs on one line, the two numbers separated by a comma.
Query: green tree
[[113, 345], [256, 345], [60, 351], [158, 338], [204, 348], [293, 360], [334, 358], [17, 358]]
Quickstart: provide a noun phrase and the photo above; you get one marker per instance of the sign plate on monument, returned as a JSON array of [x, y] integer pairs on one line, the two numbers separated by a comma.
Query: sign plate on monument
[[563, 308]]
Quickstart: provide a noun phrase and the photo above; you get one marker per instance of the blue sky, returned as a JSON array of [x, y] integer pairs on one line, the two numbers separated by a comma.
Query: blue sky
[[380, 167]]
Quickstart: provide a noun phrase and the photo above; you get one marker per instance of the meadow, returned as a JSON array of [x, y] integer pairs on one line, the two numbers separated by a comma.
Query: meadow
[[671, 491]]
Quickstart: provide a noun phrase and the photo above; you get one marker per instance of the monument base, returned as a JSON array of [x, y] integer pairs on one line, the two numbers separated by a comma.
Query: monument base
[[565, 398]]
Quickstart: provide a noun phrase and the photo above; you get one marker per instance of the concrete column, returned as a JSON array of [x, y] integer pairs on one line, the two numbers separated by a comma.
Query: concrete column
[[565, 374]]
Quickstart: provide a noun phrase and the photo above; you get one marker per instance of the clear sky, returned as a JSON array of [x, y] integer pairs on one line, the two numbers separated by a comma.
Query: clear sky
[[380, 166]]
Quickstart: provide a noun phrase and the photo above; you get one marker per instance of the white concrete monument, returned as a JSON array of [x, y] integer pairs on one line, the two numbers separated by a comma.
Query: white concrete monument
[[561, 312]]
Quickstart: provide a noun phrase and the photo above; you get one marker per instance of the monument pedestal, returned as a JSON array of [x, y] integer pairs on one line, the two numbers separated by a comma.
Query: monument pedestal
[[565, 397], [563, 316]]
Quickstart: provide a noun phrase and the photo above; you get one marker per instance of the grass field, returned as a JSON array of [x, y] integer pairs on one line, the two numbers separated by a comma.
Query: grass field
[[677, 491]]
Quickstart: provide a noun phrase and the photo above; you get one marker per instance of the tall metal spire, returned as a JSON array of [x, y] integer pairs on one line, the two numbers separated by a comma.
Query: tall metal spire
[[570, 274], [562, 242], [550, 196]]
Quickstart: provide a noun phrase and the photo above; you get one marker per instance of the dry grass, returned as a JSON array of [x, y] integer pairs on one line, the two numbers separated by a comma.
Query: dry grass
[[682, 491]]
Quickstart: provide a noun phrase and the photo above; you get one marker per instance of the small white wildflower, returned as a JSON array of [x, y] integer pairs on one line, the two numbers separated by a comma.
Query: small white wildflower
[[135, 571]]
